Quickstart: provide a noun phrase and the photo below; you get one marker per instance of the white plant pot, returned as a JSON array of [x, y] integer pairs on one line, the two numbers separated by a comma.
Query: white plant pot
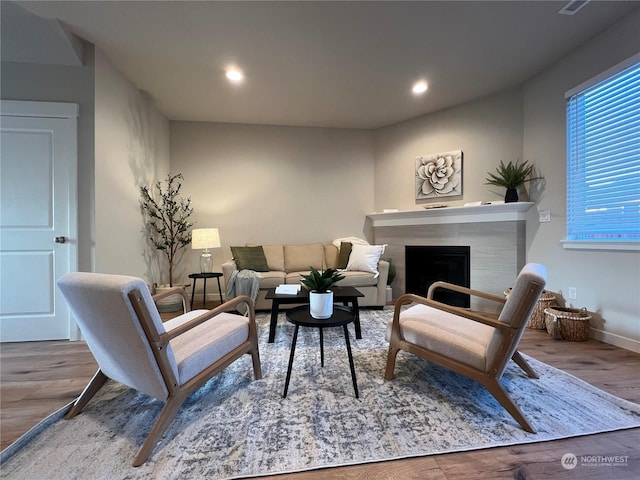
[[321, 304], [172, 303], [389, 294]]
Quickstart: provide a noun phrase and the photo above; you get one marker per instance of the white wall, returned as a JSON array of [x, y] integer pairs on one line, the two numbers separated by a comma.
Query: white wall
[[607, 282], [131, 150], [273, 184], [487, 131]]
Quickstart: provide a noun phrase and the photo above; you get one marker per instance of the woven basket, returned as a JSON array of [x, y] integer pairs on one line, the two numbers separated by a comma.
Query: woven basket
[[537, 319], [567, 323]]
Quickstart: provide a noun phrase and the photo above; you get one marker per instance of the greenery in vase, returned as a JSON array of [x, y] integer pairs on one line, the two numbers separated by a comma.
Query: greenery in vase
[[167, 217], [511, 175], [391, 276], [321, 281]]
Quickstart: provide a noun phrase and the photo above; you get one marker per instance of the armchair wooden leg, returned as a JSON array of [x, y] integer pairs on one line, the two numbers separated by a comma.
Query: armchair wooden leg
[[257, 369], [164, 419], [503, 397], [89, 391], [524, 365], [391, 361]]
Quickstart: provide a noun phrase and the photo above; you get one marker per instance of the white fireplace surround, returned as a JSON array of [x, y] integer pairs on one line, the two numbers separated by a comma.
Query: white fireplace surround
[[496, 235], [501, 212]]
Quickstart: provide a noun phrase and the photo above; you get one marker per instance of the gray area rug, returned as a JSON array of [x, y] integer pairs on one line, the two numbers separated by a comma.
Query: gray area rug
[[235, 427]]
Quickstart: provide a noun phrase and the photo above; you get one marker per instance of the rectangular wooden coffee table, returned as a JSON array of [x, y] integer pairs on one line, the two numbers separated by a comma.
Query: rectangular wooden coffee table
[[344, 295]]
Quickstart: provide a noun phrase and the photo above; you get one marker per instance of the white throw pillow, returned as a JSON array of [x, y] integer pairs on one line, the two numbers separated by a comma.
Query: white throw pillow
[[351, 240], [365, 258]]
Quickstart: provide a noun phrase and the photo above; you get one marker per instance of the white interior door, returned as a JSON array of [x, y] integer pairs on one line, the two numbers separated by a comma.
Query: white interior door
[[38, 219]]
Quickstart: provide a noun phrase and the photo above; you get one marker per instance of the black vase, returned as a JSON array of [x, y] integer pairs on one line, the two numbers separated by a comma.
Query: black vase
[[511, 195]]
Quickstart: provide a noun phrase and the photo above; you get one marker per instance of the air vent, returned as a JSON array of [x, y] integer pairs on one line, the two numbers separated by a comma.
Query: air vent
[[573, 7]]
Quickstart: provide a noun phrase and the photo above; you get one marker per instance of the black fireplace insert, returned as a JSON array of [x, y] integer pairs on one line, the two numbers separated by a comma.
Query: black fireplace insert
[[426, 264]]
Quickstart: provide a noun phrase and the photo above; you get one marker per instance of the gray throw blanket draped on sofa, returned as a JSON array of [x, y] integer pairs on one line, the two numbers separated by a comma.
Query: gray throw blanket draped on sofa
[[244, 282]]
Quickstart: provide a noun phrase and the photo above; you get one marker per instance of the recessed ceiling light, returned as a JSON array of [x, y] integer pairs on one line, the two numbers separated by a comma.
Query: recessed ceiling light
[[419, 87], [234, 75]]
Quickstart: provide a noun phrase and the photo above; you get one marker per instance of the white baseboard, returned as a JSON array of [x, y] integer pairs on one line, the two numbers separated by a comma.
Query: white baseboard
[[617, 340]]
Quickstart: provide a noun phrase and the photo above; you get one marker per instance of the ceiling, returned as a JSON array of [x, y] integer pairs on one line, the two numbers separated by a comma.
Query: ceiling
[[327, 64]]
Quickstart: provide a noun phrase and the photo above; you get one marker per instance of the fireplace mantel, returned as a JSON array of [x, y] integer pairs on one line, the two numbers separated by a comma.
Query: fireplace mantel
[[496, 235], [502, 212]]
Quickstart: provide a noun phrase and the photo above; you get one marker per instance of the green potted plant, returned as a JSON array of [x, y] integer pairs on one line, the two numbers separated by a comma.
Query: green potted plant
[[511, 176], [167, 218], [391, 276], [320, 297]]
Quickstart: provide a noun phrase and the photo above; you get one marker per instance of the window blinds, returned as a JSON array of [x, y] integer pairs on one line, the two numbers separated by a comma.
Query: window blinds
[[603, 159]]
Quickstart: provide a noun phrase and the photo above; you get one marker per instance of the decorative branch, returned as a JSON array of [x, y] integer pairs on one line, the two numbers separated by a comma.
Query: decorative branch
[[168, 218]]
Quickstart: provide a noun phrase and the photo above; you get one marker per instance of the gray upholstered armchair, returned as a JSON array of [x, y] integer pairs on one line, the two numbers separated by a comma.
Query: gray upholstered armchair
[[475, 344], [168, 361]]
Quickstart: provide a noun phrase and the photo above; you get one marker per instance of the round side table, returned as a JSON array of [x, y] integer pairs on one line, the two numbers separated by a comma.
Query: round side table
[[301, 317], [204, 276]]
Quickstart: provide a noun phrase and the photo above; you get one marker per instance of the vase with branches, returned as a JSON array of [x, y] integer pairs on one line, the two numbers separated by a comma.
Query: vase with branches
[[167, 217]]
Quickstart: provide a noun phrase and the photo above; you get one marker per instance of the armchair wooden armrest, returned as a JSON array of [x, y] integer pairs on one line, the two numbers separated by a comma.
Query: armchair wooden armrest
[[489, 319], [461, 289]]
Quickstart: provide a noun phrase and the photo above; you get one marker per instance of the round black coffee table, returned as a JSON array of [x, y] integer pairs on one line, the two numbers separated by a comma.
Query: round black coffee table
[[301, 317]]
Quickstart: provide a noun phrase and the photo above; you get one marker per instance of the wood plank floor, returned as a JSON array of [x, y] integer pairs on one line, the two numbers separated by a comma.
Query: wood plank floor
[[38, 378]]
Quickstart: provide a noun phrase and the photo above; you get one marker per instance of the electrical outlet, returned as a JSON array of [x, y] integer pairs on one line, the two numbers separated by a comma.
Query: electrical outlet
[[573, 293], [544, 216]]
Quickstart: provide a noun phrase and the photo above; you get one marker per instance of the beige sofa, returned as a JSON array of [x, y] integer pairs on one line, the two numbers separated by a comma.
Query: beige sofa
[[287, 263]]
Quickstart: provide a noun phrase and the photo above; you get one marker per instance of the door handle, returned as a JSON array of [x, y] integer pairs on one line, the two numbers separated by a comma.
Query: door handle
[[60, 240]]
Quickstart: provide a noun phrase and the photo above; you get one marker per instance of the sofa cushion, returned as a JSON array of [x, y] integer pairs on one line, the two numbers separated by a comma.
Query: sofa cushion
[[299, 258], [295, 277], [357, 279], [351, 279], [275, 257], [250, 258], [330, 256], [271, 279], [365, 258], [343, 256]]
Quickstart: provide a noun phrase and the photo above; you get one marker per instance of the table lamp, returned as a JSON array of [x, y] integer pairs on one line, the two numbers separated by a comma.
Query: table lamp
[[205, 238]]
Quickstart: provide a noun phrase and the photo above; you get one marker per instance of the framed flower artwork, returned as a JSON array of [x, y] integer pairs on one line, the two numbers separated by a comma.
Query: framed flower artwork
[[439, 175]]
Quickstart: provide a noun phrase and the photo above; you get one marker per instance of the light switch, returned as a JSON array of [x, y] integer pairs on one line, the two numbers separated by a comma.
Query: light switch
[[544, 216]]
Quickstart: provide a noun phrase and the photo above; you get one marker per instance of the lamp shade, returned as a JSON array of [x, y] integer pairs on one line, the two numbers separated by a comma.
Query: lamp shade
[[205, 238]]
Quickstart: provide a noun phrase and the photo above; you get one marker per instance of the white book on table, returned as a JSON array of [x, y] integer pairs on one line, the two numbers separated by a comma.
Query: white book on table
[[285, 289]]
